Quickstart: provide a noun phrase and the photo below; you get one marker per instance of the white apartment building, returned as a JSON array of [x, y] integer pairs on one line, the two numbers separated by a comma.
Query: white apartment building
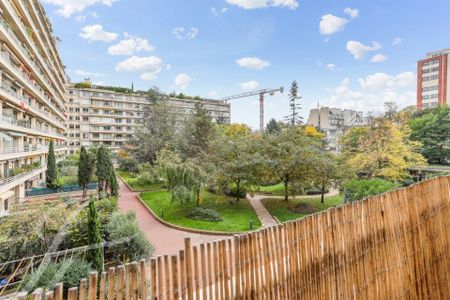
[[32, 99], [334, 122], [433, 81], [99, 115]]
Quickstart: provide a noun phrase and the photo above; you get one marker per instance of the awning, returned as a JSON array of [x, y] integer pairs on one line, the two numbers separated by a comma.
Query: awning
[[7, 194]]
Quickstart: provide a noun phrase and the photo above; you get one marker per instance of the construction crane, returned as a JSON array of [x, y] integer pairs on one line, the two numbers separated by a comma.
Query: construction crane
[[261, 94]]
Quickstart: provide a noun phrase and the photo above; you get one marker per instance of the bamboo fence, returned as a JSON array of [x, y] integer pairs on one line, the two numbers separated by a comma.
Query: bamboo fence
[[392, 246]]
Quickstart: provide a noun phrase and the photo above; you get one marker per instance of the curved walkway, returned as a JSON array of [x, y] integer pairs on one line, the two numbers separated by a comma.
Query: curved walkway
[[166, 240], [264, 215]]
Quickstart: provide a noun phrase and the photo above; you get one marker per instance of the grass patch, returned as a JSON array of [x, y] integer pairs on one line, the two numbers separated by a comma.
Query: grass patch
[[132, 181], [285, 211], [274, 190], [235, 216]]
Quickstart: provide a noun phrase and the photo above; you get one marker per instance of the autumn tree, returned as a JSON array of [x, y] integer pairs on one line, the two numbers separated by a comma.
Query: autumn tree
[[381, 150]]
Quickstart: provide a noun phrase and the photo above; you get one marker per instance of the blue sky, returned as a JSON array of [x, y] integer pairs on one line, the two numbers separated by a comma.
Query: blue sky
[[344, 53]]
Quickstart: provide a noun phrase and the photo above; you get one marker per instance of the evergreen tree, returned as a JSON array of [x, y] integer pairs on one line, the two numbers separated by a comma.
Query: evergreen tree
[[113, 185], [103, 168], [95, 254], [51, 174], [294, 118], [274, 127], [85, 170]]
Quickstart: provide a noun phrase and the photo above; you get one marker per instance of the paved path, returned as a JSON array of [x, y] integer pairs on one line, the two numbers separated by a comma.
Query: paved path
[[166, 240], [264, 215]]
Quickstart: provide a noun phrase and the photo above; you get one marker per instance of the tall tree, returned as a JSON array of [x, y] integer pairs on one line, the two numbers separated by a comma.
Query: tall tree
[[381, 150], [85, 170], [197, 132], [432, 129], [95, 254], [327, 171], [294, 117], [51, 174], [274, 127], [104, 168]]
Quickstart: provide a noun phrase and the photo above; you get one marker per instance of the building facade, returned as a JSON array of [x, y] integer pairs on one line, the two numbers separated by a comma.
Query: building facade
[[433, 81], [103, 116], [32, 99], [334, 122]]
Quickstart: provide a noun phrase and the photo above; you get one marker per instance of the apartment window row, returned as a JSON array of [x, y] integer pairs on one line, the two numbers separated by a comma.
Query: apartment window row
[[433, 96], [430, 105], [430, 70], [429, 63], [105, 95], [430, 88], [428, 78]]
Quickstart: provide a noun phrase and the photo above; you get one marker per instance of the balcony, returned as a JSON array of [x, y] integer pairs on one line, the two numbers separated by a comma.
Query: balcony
[[26, 56], [13, 181], [25, 127]]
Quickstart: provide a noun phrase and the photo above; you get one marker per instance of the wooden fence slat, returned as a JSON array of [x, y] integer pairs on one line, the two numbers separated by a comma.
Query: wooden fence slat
[[188, 262], [120, 278], [127, 281], [134, 281], [143, 279], [111, 282], [174, 267], [72, 294], [167, 276], [83, 283], [92, 291], [101, 292], [203, 270], [183, 276], [153, 280], [160, 277]]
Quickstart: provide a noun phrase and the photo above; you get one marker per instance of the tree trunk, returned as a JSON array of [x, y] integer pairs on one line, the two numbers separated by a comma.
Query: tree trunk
[[198, 197], [286, 188], [238, 190], [322, 197]]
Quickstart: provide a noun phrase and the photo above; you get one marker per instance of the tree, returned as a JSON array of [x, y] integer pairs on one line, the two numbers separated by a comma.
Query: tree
[[105, 169], [51, 174], [113, 185], [233, 131], [85, 170], [197, 132], [432, 129], [95, 254], [294, 117], [289, 156], [390, 110], [274, 127], [237, 161], [326, 171], [381, 150], [159, 131]]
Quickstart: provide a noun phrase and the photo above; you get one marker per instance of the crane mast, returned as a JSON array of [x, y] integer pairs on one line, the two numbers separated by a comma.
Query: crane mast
[[261, 94]]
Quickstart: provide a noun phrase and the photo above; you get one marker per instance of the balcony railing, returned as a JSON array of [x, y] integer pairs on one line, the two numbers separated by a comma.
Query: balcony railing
[[11, 179], [24, 149], [26, 124]]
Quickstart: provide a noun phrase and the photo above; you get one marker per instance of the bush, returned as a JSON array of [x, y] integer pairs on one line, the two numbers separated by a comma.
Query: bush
[[69, 272], [71, 171], [315, 191], [149, 177], [129, 164], [131, 244], [204, 214], [360, 188], [232, 191]]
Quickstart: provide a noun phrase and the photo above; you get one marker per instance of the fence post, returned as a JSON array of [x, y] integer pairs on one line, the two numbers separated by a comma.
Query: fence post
[[175, 292], [72, 294], [143, 278], [59, 291], [92, 292], [120, 275], [111, 283], [189, 282], [134, 281], [83, 284]]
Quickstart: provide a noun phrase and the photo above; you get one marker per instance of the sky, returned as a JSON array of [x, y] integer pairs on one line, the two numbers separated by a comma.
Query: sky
[[353, 54]]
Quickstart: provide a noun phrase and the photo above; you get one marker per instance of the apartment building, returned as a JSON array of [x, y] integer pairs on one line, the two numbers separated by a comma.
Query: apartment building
[[101, 115], [432, 80], [32, 99], [334, 122]]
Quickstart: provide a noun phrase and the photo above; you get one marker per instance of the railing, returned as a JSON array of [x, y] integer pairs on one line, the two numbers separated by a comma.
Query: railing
[[391, 246], [25, 149], [64, 189], [11, 179], [27, 124]]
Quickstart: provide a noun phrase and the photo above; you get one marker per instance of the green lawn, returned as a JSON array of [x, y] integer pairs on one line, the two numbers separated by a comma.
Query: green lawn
[[132, 182], [282, 210], [235, 216], [274, 190]]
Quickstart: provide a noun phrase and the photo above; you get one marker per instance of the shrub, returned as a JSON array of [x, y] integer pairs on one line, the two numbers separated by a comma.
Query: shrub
[[149, 177], [129, 164], [68, 171], [129, 242], [360, 188], [204, 214], [69, 272], [315, 191], [232, 191]]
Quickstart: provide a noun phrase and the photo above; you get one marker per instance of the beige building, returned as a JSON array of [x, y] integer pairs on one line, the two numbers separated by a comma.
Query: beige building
[[334, 122], [433, 82], [99, 115], [32, 99]]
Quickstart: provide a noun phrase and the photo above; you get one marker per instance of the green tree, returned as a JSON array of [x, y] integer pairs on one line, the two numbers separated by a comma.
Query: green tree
[[197, 132], [432, 129], [104, 168], [327, 171], [358, 189], [294, 117], [113, 185], [274, 127], [85, 170], [51, 174], [95, 254]]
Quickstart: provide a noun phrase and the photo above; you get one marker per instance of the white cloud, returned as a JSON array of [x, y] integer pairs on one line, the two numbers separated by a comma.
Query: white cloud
[[397, 41], [352, 12], [95, 15], [331, 24], [249, 85], [182, 80], [69, 7], [378, 58], [359, 50], [81, 18], [88, 74], [213, 93], [331, 67], [252, 4], [183, 33], [150, 66], [373, 91], [218, 11], [130, 45], [96, 33], [252, 63]]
